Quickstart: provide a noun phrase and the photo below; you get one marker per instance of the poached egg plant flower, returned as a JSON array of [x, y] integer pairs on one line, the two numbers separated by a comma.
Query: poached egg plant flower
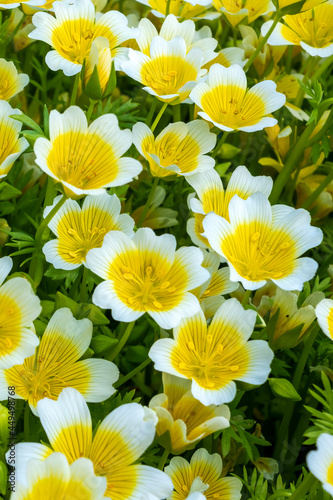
[[263, 243], [226, 102], [11, 82], [324, 313], [146, 274], [320, 461], [213, 357], [11, 145]]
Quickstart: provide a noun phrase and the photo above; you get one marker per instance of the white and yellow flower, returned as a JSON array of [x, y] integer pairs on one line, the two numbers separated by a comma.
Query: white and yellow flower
[[78, 230], [179, 149], [184, 9], [55, 479], [86, 159], [146, 274], [11, 82], [312, 30], [320, 461], [324, 313], [56, 365], [236, 11], [201, 478], [308, 4], [114, 448], [226, 102], [263, 243], [100, 56], [227, 57], [13, 4], [11, 146], [214, 357], [213, 197], [182, 420], [19, 307], [72, 31]]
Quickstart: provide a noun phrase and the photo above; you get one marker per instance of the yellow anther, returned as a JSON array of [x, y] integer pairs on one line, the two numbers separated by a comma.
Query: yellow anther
[[130, 300], [184, 487], [234, 368], [164, 285], [72, 232], [190, 345], [182, 366], [172, 289], [209, 339], [220, 347], [157, 304], [210, 384], [72, 254], [76, 37], [128, 276], [149, 270], [255, 236], [285, 245]]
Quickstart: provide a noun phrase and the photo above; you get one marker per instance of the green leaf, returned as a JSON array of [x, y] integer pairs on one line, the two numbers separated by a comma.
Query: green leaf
[[29, 122], [93, 88], [8, 192], [283, 388]]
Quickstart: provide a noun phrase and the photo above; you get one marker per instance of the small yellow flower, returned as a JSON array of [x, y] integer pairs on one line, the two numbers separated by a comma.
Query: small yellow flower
[[78, 230], [237, 10], [214, 357], [19, 307], [312, 30], [85, 159], [55, 479], [101, 57], [213, 197], [146, 274], [324, 313], [114, 448], [56, 365], [320, 462], [182, 420], [179, 149], [226, 102], [11, 83], [263, 243], [11, 146], [202, 476], [185, 9]]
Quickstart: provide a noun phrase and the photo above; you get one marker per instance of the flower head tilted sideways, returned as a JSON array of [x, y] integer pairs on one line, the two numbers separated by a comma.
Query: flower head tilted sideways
[[11, 82], [55, 365], [78, 230], [72, 31], [55, 479], [320, 461], [214, 198], [185, 9], [19, 307], [215, 356], [179, 149], [13, 4], [147, 274], [263, 243], [312, 30], [226, 102], [202, 476], [100, 56], [235, 11], [119, 441], [182, 420], [86, 159], [324, 313], [11, 146]]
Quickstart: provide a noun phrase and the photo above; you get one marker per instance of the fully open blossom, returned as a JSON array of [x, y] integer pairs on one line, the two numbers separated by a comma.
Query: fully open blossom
[[56, 365], [55, 479], [263, 243], [114, 447], [78, 230], [320, 461], [202, 477], [226, 102], [146, 274], [235, 12], [214, 198], [86, 159], [11, 82], [179, 149], [72, 31], [11, 146], [19, 307], [213, 357], [312, 30], [182, 420], [324, 313]]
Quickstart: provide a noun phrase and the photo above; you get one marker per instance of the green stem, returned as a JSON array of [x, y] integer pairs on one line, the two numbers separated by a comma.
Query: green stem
[[163, 459], [132, 374], [159, 116], [83, 285], [167, 10], [90, 109], [47, 219], [322, 132], [246, 297], [220, 144], [151, 112], [176, 113], [312, 198], [122, 341], [323, 67], [289, 58], [262, 42], [304, 487], [75, 89], [26, 422], [148, 203]]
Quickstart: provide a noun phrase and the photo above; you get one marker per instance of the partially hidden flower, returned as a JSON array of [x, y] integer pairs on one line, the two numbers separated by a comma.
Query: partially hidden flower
[[157, 217], [11, 146], [202, 476], [179, 149], [146, 274], [227, 57], [214, 198], [56, 365], [320, 461], [312, 30], [182, 420], [100, 56], [323, 204], [263, 243], [19, 307], [324, 313], [55, 479], [78, 230], [114, 447], [308, 4], [226, 102], [72, 31], [11, 82], [86, 159], [235, 12], [185, 9], [13, 4]]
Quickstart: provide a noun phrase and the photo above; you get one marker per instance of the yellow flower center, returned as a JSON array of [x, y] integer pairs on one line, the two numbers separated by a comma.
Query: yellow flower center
[[8, 141], [330, 474], [73, 39], [177, 7], [9, 324], [313, 27]]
